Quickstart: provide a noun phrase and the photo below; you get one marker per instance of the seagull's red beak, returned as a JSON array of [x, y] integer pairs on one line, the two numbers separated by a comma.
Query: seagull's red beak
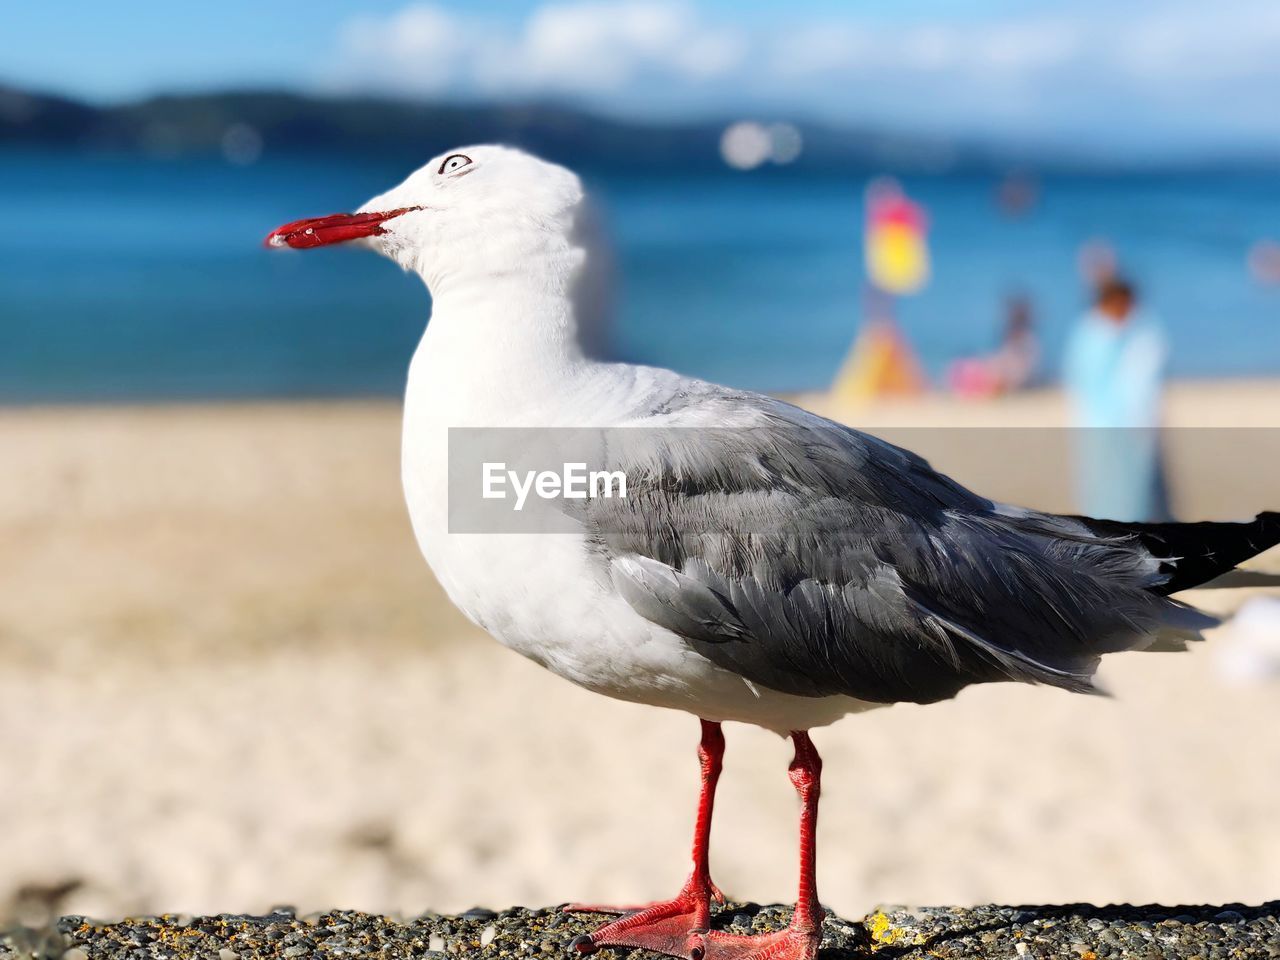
[[335, 228]]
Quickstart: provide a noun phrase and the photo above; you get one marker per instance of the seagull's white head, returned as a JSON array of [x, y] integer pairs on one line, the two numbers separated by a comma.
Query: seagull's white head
[[471, 214], [506, 242]]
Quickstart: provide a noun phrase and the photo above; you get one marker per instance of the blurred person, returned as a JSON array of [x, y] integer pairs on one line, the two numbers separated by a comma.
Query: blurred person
[[1264, 262], [1017, 194], [1012, 366], [1113, 371], [1096, 262], [881, 361]]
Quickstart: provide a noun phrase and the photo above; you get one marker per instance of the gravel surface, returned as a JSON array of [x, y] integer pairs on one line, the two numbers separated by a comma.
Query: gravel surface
[[1075, 932]]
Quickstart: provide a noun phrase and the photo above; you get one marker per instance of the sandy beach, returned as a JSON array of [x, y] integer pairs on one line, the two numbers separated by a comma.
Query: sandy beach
[[227, 680]]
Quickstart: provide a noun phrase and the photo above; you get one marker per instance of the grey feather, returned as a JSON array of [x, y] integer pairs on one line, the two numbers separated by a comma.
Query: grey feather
[[814, 559]]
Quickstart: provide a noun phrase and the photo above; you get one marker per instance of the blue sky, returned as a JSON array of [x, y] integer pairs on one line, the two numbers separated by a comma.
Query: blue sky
[[122, 49], [1171, 75]]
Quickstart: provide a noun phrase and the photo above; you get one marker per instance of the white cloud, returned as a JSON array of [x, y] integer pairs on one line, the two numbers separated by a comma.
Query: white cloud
[[579, 44], [582, 46], [1183, 64], [420, 47]]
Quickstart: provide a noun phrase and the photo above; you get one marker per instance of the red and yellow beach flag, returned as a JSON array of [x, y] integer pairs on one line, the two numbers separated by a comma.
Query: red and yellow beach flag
[[881, 361], [895, 241]]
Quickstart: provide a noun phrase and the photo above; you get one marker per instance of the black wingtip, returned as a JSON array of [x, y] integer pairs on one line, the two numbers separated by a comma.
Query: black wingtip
[[1195, 553], [1268, 525], [1205, 551]]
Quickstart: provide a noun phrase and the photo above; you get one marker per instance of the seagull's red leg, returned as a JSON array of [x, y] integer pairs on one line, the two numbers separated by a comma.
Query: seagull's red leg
[[799, 941], [667, 926]]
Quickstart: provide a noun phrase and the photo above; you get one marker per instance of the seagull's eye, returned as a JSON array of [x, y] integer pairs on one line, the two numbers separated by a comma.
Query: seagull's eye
[[455, 161]]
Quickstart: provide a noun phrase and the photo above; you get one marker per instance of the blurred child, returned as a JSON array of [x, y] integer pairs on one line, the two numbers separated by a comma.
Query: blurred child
[[880, 362], [1011, 367]]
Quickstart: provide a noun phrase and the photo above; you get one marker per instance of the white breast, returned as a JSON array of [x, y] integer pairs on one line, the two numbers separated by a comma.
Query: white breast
[[542, 595]]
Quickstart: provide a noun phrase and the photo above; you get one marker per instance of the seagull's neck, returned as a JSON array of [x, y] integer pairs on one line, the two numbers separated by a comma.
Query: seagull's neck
[[502, 342], [509, 322]]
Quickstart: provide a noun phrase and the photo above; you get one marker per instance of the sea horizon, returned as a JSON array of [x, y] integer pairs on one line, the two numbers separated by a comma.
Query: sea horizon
[[139, 278]]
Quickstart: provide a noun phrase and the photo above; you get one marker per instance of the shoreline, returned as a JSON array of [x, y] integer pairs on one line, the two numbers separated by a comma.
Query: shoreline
[[1184, 394]]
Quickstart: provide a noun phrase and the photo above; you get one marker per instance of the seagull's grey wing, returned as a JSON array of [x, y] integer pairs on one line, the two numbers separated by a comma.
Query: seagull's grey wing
[[817, 560]]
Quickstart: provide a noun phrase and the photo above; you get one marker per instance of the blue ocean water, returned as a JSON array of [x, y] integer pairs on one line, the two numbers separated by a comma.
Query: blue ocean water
[[130, 278]]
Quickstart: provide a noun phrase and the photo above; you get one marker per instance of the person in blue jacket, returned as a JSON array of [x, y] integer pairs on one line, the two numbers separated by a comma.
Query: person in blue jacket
[[1114, 374]]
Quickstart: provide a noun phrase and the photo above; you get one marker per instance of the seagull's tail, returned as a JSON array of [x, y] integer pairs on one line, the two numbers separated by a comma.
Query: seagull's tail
[[1191, 554]]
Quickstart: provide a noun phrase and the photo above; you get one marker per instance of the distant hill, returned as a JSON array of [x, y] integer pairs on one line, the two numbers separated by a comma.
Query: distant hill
[[293, 122], [37, 118], [410, 130]]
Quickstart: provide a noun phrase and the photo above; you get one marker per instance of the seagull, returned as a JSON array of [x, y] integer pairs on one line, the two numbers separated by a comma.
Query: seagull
[[766, 566]]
